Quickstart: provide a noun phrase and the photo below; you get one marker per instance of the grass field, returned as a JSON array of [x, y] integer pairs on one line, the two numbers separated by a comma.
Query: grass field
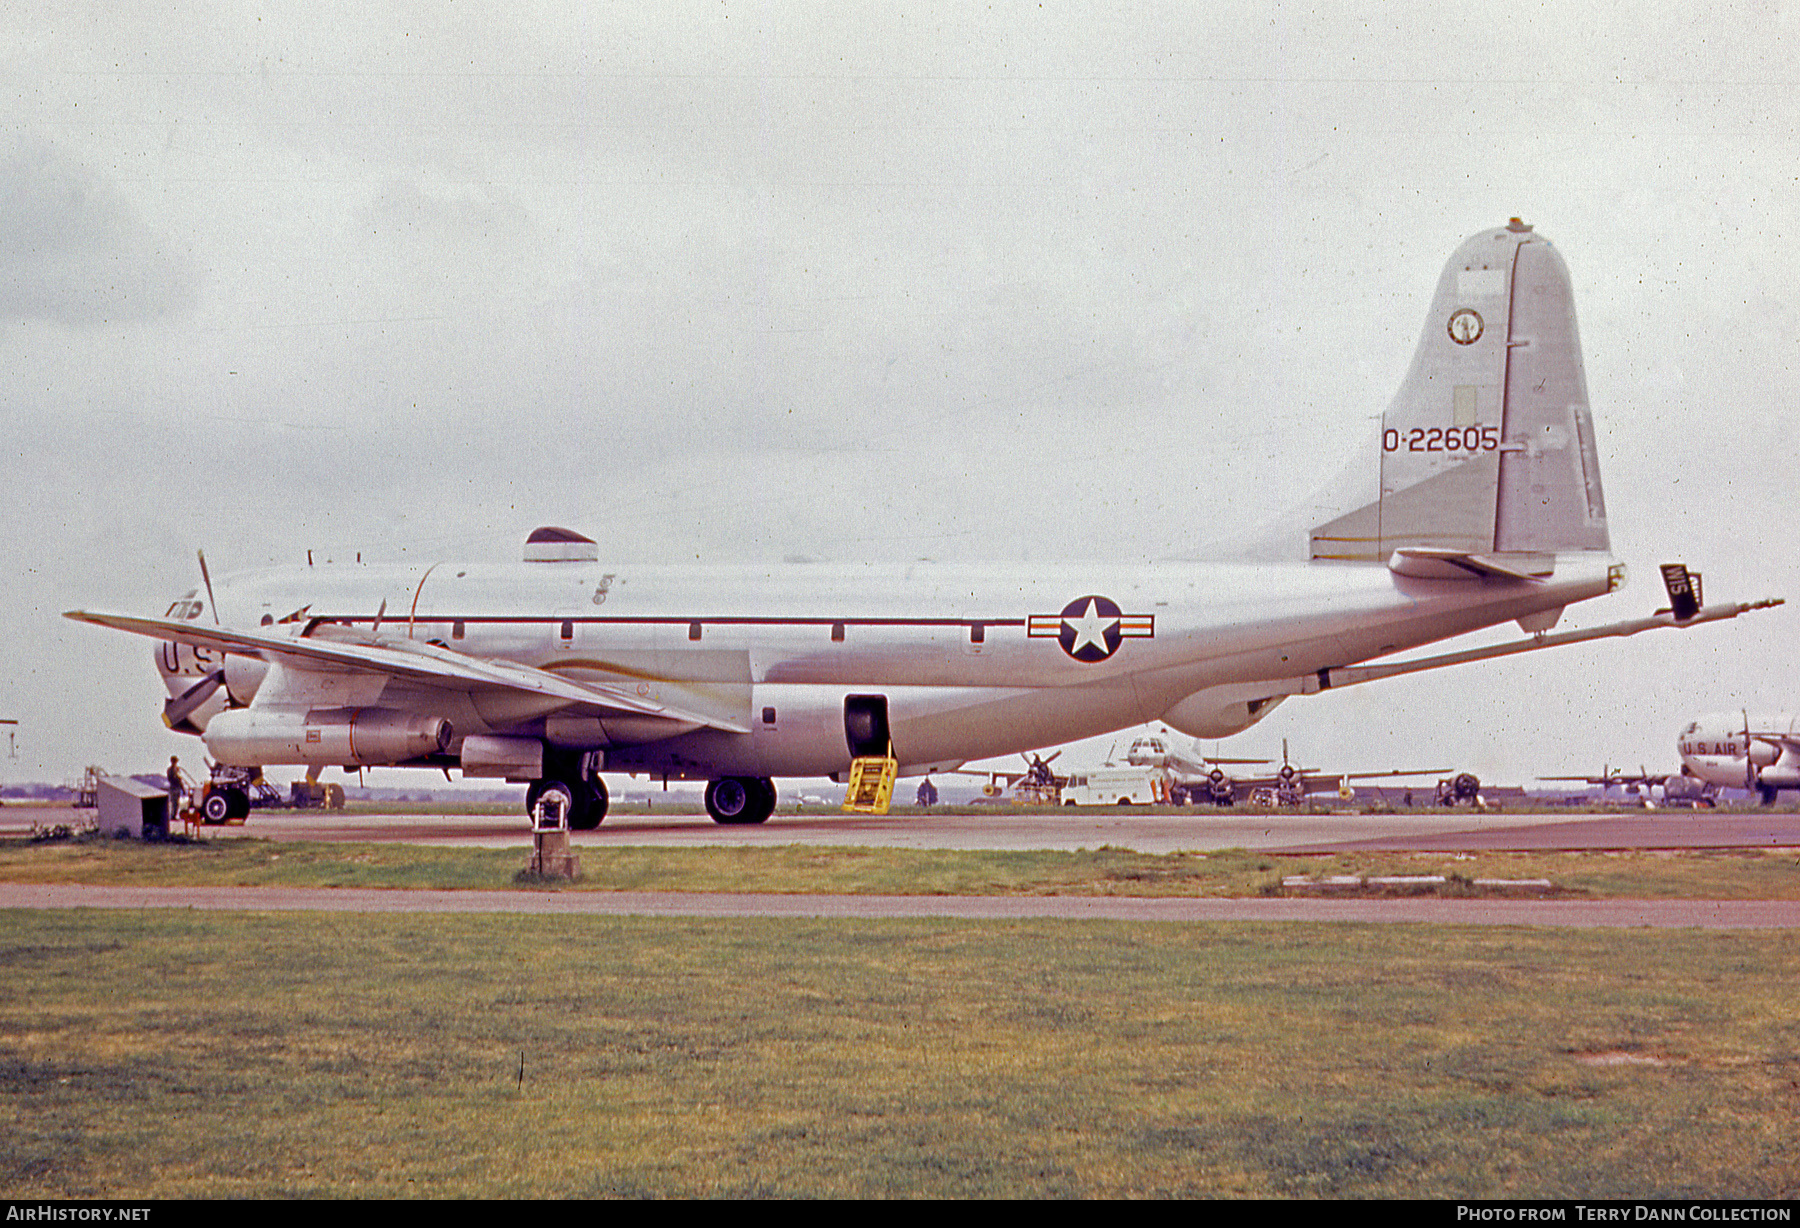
[[185, 1054], [174, 1054], [1771, 874]]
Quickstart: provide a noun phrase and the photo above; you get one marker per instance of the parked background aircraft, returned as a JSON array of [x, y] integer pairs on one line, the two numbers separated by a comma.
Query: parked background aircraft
[[1035, 783], [1678, 788], [1740, 751], [1194, 777], [1487, 509]]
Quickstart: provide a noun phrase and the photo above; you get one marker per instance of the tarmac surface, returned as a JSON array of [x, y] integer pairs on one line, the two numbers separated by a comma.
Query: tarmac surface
[[1145, 830]]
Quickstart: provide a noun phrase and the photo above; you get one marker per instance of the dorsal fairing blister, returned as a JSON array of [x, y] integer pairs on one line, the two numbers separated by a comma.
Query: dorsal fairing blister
[[1488, 447]]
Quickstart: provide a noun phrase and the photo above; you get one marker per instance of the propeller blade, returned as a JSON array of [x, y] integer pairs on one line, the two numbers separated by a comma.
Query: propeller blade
[[180, 707], [207, 577], [1749, 763]]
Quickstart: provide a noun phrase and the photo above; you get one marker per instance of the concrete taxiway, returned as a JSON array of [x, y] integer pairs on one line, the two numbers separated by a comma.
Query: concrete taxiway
[[1147, 830]]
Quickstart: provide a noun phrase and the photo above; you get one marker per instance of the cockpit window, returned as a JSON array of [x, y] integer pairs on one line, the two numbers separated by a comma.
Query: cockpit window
[[184, 608]]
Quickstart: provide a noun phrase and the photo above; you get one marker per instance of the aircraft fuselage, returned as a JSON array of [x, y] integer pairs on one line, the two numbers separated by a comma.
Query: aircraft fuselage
[[1743, 751], [967, 662]]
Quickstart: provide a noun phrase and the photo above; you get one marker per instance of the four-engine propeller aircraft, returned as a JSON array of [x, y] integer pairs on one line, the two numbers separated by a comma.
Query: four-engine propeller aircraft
[[1202, 778], [1740, 751], [1487, 510], [1679, 788], [1192, 778]]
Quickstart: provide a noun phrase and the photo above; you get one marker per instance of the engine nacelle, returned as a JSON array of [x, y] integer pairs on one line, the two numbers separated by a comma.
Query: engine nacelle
[[251, 737], [1779, 776], [1219, 712], [509, 758]]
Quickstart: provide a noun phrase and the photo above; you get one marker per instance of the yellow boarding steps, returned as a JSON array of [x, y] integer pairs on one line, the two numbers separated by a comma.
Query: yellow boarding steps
[[871, 784]]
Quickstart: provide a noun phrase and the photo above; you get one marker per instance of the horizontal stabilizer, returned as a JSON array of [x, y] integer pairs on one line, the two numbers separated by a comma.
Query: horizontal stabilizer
[[1428, 563]]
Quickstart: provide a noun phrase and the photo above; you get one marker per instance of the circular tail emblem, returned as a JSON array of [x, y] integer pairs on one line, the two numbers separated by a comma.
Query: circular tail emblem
[[1465, 326]]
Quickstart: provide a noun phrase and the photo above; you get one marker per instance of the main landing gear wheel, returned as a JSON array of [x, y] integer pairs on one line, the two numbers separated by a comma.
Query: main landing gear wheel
[[739, 800], [584, 801]]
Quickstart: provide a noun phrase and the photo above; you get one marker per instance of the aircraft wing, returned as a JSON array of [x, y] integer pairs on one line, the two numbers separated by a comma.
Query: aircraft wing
[[1306, 782], [424, 664], [1641, 779], [1313, 782], [1009, 777]]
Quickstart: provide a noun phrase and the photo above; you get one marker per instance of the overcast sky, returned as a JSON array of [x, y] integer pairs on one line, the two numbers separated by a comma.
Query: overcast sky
[[726, 282]]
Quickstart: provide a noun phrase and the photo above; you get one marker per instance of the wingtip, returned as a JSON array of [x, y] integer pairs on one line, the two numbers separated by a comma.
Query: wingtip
[[99, 618]]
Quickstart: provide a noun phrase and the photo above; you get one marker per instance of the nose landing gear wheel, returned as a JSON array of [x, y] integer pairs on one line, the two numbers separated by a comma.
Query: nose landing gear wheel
[[216, 809], [740, 800], [225, 806]]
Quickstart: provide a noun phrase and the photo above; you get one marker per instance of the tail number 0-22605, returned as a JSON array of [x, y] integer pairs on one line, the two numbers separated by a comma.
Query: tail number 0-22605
[[1443, 439]]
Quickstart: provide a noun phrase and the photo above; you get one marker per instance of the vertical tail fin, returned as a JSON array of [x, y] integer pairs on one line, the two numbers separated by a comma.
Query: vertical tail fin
[[1488, 446]]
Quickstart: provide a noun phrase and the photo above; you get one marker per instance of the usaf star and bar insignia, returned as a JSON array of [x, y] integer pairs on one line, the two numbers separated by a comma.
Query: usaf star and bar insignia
[[1091, 629]]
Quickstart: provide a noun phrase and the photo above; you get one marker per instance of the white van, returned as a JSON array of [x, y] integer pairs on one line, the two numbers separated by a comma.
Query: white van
[[1124, 786]]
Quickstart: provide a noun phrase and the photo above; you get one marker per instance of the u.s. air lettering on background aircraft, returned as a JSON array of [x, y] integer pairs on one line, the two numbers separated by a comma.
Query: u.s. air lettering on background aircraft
[[557, 668], [1743, 750]]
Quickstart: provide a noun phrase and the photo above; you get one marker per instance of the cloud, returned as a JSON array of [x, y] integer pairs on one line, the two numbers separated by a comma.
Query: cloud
[[73, 251]]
